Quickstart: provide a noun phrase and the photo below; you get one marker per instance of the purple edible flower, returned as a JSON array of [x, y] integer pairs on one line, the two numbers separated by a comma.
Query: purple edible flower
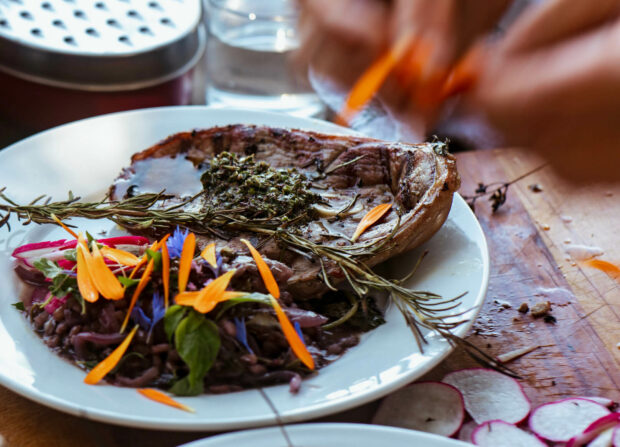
[[175, 242], [298, 330], [241, 333], [215, 270]]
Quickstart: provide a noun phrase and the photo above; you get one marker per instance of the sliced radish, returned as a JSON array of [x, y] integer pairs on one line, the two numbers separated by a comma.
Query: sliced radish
[[503, 434], [490, 395], [432, 407], [467, 429], [604, 439], [597, 427], [615, 437], [604, 401], [560, 421]]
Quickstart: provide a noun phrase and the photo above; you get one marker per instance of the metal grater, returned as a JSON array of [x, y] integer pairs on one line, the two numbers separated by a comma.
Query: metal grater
[[99, 44]]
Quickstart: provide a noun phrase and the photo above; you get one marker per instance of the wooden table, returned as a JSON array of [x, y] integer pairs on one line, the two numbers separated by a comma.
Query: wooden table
[[528, 239]]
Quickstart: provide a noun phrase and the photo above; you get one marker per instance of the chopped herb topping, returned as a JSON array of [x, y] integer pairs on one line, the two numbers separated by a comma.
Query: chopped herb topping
[[235, 182]]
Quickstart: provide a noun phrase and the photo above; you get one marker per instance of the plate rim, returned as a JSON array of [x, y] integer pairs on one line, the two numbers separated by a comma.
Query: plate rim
[[323, 428], [297, 415]]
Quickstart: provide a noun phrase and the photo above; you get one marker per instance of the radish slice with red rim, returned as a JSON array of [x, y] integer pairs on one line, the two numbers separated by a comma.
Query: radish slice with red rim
[[615, 436], [562, 420], [432, 407], [467, 429], [490, 395], [597, 427], [605, 439], [503, 434], [604, 401]]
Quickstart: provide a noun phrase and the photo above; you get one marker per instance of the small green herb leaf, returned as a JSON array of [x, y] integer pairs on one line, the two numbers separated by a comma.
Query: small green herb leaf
[[19, 305], [70, 255], [128, 282], [50, 269]]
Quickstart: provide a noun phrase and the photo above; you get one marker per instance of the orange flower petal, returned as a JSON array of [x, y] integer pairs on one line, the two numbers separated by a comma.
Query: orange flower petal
[[66, 228], [144, 279], [208, 254], [154, 247], [605, 266], [297, 345], [189, 298], [85, 284], [105, 281], [185, 263], [165, 271], [370, 218], [186, 298], [158, 396], [372, 79], [108, 364], [120, 256], [210, 295], [270, 282]]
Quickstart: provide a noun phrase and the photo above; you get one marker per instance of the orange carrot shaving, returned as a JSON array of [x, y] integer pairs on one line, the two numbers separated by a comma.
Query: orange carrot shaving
[[371, 80], [154, 247], [212, 293], [605, 266], [120, 256], [85, 284], [465, 73], [185, 263], [189, 298], [165, 271], [144, 279], [208, 254], [297, 345], [370, 218], [108, 364], [158, 396], [102, 277], [270, 282], [66, 228]]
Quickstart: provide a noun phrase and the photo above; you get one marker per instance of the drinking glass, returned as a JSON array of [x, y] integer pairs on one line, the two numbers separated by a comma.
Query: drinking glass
[[247, 59]]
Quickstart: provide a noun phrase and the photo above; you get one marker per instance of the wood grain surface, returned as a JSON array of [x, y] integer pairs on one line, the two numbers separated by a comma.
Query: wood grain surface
[[528, 240]]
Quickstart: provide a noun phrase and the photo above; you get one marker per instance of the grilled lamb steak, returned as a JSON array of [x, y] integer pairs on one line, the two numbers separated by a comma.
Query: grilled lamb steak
[[349, 173]]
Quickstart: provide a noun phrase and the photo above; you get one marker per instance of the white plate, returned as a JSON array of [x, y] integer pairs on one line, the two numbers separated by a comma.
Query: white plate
[[328, 435], [85, 157]]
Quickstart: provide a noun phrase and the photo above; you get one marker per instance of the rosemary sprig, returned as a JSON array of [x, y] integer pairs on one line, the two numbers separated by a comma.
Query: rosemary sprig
[[497, 195], [147, 211]]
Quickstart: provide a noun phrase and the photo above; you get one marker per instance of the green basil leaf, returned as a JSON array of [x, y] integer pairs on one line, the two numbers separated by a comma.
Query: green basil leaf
[[184, 388], [197, 341], [128, 282], [19, 305], [172, 318]]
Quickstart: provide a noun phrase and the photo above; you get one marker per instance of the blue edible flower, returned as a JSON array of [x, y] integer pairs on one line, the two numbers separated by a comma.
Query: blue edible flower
[[175, 242], [242, 334], [298, 330]]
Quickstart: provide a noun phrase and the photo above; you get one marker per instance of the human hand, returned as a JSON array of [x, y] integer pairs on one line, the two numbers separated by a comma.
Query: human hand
[[341, 39], [553, 85]]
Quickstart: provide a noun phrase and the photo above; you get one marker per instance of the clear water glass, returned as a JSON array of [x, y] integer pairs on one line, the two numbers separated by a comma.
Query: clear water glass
[[248, 63]]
